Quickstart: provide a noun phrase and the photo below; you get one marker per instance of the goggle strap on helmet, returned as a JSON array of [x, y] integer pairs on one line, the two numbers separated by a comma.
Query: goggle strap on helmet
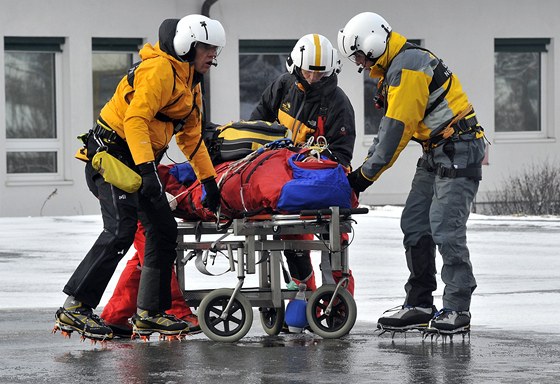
[[354, 47], [205, 26], [302, 50]]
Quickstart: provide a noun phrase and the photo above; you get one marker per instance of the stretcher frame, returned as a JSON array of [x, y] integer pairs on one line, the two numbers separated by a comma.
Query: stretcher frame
[[258, 250]]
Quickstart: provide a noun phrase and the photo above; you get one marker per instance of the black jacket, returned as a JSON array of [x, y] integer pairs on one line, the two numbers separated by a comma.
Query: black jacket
[[297, 107]]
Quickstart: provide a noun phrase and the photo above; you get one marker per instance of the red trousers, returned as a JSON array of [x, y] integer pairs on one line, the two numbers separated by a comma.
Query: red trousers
[[122, 304]]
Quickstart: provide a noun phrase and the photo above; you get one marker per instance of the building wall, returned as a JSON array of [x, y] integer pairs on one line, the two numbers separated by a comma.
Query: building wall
[[461, 33], [78, 21]]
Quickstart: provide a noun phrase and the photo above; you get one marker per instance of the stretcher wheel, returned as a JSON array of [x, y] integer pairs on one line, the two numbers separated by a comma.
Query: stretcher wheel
[[339, 321], [272, 319], [237, 322]]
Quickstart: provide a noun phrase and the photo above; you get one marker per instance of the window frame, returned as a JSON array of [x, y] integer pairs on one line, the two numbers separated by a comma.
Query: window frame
[[114, 45], [49, 45], [545, 132], [263, 47]]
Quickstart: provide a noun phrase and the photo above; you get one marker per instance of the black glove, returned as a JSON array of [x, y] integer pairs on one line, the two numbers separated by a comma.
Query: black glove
[[357, 181], [212, 198], [151, 185]]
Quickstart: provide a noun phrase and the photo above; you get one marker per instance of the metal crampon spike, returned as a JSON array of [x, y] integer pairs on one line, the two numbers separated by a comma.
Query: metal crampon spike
[[176, 337], [393, 334], [382, 332], [144, 338], [66, 334]]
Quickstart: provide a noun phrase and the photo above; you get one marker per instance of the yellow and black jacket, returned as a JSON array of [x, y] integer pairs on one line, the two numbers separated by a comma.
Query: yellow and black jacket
[[300, 108], [162, 84], [412, 108]]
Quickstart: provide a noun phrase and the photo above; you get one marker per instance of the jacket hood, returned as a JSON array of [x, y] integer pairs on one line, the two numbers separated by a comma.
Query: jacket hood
[[394, 45], [167, 31], [183, 70]]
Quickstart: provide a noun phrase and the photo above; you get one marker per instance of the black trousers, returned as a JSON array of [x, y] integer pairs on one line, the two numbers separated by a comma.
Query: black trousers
[[120, 211]]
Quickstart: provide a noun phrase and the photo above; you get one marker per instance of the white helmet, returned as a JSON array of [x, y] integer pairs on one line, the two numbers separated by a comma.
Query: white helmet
[[198, 28], [367, 32], [314, 52]]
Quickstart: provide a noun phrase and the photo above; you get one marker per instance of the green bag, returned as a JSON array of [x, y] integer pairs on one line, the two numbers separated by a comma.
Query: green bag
[[115, 172]]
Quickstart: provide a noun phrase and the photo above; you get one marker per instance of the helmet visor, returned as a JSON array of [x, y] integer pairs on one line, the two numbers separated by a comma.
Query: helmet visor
[[209, 47], [358, 57], [312, 76]]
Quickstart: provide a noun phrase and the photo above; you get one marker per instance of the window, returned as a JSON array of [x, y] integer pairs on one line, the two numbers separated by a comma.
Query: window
[[260, 62], [32, 69], [111, 58], [372, 115], [519, 85]]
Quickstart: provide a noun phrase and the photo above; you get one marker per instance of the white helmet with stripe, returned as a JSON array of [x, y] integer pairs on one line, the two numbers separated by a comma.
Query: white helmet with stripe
[[315, 53]]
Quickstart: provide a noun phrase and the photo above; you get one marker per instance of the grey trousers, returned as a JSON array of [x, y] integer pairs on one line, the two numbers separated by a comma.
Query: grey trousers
[[436, 213]]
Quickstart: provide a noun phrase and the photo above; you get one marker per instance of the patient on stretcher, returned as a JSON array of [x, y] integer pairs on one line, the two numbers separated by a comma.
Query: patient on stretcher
[[275, 179]]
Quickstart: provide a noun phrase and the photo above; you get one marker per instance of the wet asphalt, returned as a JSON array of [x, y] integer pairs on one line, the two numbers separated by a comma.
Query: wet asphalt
[[29, 353]]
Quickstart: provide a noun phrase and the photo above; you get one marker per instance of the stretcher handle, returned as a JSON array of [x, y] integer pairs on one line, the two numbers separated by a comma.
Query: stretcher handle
[[328, 211]]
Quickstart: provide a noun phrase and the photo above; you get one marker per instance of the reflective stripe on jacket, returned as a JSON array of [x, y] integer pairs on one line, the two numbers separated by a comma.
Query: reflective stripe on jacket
[[407, 76]]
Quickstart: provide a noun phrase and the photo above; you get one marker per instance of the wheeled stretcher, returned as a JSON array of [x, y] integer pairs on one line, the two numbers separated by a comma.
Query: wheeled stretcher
[[226, 314]]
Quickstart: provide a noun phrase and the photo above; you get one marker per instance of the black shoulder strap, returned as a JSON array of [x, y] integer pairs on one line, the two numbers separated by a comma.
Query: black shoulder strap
[[441, 74], [130, 73], [132, 70], [130, 79]]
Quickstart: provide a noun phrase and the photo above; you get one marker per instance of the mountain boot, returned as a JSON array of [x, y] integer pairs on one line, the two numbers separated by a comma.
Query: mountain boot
[[168, 326], [450, 322], [405, 318], [81, 319]]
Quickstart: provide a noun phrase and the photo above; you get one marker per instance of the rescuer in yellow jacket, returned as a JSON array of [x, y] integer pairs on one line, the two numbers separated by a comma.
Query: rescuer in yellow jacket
[[158, 98], [423, 101]]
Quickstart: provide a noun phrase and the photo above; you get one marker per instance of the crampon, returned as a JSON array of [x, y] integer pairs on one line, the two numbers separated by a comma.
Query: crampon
[[404, 330], [84, 322], [463, 331], [168, 326], [447, 323], [144, 335], [405, 318]]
